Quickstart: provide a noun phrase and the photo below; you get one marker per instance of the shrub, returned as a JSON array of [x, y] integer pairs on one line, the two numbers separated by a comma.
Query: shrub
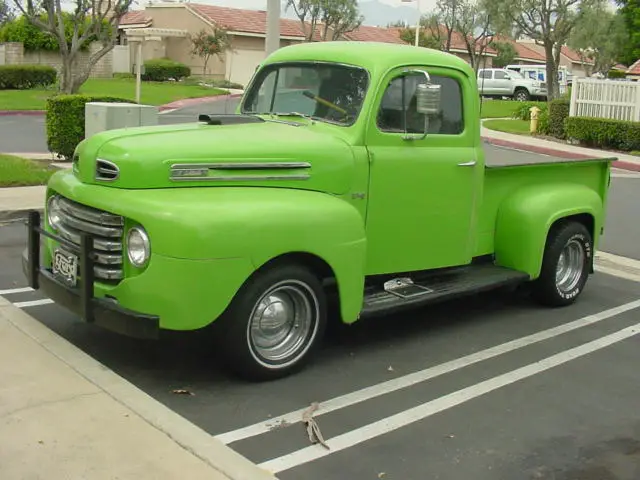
[[65, 121], [604, 133], [126, 75], [558, 112], [522, 111], [163, 69], [544, 123], [23, 77], [616, 74]]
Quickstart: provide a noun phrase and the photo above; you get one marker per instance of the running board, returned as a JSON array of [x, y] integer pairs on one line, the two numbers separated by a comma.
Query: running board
[[405, 293]]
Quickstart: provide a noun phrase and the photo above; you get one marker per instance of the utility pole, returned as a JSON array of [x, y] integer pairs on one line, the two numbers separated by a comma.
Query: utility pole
[[272, 42]]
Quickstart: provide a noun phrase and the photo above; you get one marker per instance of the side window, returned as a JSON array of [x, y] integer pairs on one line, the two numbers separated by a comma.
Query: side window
[[485, 74], [500, 75], [398, 113]]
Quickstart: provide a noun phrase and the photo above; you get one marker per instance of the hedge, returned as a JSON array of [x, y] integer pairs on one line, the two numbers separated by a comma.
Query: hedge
[[558, 112], [65, 121], [23, 77], [604, 133], [163, 69]]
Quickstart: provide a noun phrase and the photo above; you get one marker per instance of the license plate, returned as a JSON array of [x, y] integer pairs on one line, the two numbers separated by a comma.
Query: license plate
[[65, 266]]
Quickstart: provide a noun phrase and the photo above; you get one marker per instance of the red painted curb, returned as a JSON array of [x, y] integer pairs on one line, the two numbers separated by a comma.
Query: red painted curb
[[168, 106], [187, 102], [559, 153]]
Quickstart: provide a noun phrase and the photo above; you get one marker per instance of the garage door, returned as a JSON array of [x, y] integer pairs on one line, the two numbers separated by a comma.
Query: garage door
[[241, 64]]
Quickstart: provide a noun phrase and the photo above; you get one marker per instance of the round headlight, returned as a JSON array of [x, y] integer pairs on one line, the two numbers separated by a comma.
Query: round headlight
[[138, 246], [54, 212]]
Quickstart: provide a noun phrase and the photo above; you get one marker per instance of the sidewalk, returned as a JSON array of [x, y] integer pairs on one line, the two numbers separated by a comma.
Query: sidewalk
[[63, 415], [548, 147]]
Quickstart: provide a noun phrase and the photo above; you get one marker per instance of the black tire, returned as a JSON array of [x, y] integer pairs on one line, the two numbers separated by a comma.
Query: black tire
[[547, 288], [239, 349], [521, 95]]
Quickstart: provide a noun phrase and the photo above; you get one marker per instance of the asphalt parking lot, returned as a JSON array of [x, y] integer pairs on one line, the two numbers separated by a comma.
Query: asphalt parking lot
[[494, 387]]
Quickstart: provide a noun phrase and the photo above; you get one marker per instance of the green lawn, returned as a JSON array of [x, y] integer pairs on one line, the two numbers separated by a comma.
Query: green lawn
[[152, 93], [20, 172], [520, 127], [498, 108]]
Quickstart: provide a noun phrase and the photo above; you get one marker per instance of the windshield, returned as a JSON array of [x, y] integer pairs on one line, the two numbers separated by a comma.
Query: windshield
[[322, 91]]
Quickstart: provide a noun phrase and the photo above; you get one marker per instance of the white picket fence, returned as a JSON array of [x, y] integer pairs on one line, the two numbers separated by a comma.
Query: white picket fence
[[612, 99]]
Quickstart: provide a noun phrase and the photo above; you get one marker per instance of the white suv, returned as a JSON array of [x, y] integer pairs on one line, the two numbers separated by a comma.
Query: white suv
[[499, 82]]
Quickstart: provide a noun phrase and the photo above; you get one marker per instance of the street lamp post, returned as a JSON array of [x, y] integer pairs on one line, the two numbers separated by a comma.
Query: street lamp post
[[272, 42], [417, 40]]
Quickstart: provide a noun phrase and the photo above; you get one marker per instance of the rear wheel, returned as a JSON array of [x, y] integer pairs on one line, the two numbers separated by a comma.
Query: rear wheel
[[275, 323], [565, 266]]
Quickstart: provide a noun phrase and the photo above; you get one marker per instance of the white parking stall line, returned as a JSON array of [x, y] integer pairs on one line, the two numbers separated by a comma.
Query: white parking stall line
[[33, 303], [623, 267], [406, 381], [407, 417], [12, 291]]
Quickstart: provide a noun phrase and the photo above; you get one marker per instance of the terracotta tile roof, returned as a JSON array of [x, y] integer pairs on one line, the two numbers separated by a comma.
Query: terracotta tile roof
[[634, 69], [571, 54], [373, 34], [134, 17], [457, 39], [523, 52], [246, 21]]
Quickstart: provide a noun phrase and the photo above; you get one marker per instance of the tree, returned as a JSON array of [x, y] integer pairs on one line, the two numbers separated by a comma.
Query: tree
[[506, 54], [90, 19], [430, 34], [630, 11], [5, 13], [205, 44], [336, 17], [472, 22], [599, 37], [548, 22]]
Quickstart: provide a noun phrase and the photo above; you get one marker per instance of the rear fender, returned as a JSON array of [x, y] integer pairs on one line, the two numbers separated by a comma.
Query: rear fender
[[526, 217]]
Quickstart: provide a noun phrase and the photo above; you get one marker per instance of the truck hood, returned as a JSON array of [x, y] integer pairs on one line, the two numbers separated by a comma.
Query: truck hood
[[266, 153]]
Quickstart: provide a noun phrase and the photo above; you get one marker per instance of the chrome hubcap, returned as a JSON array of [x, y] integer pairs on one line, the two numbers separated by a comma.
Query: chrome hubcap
[[283, 322], [570, 266]]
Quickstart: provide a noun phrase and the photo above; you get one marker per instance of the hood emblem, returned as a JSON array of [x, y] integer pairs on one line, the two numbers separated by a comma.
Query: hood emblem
[[214, 172]]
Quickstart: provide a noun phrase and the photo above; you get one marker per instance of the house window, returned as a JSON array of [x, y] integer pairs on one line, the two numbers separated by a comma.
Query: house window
[[398, 112]]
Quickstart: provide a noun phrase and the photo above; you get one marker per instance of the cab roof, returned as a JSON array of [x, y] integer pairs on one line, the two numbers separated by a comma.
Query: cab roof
[[377, 57]]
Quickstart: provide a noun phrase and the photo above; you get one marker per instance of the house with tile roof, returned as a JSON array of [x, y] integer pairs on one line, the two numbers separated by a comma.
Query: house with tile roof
[[633, 72], [458, 45], [173, 21], [569, 58]]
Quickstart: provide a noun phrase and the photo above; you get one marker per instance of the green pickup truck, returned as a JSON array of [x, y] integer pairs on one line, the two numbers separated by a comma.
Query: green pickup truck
[[352, 175]]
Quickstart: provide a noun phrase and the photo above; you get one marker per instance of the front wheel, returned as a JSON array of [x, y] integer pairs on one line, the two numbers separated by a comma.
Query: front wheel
[[521, 95], [274, 324], [565, 266]]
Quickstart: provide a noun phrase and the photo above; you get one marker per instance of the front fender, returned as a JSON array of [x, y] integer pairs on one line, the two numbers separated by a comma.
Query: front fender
[[252, 223], [525, 218]]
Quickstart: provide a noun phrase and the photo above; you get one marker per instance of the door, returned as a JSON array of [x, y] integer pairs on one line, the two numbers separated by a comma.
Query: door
[[242, 63], [502, 83], [485, 82], [422, 192]]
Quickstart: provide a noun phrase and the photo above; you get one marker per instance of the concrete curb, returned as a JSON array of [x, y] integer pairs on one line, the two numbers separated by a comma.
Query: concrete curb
[[190, 437], [187, 102], [12, 216], [559, 153]]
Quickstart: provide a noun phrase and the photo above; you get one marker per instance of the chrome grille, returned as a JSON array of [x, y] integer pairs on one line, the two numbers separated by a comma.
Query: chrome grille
[[107, 230], [106, 171]]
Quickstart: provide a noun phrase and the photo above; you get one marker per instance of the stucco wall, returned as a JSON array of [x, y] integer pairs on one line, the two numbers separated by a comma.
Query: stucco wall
[[15, 55]]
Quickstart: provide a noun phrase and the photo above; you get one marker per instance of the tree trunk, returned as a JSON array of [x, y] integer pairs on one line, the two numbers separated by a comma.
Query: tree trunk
[[66, 75], [552, 72]]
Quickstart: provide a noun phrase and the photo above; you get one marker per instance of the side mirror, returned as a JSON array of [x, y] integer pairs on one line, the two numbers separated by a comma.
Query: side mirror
[[428, 99]]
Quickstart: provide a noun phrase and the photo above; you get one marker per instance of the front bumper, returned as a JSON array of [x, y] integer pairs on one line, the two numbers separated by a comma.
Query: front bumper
[[80, 299]]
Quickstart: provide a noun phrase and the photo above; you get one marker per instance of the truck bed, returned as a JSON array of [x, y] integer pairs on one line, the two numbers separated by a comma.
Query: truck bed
[[508, 170]]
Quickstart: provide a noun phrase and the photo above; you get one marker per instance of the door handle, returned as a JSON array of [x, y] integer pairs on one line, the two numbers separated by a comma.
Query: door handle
[[467, 164]]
